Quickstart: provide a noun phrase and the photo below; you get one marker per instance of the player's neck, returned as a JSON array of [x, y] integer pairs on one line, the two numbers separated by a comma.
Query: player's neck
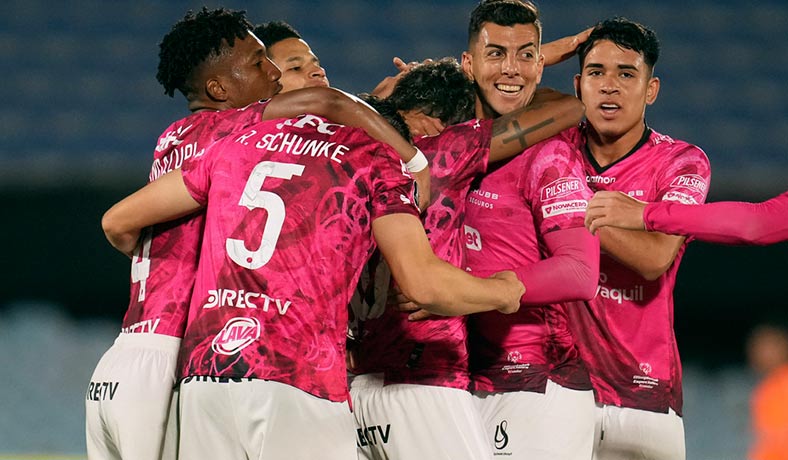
[[609, 149]]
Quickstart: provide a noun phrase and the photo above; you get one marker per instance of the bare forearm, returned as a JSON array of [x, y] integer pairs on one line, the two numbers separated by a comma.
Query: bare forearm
[[549, 113], [649, 254]]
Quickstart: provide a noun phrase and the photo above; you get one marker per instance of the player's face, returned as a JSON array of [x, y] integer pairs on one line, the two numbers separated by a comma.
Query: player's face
[[250, 75], [506, 65], [616, 85], [300, 67]]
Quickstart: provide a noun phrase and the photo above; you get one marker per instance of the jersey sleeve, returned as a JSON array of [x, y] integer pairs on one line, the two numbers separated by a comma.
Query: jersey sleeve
[[553, 184], [196, 175], [726, 222], [687, 177], [393, 189]]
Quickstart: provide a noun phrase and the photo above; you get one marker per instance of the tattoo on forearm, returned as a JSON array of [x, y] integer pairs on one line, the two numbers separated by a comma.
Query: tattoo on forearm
[[516, 132]]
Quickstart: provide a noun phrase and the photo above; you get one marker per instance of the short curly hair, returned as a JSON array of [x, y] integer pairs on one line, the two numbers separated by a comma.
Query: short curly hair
[[194, 39], [388, 111], [438, 89], [271, 33]]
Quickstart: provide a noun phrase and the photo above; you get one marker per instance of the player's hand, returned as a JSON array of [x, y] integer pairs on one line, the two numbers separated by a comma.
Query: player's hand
[[614, 209], [386, 86], [421, 124], [513, 290], [422, 179], [562, 49], [405, 305]]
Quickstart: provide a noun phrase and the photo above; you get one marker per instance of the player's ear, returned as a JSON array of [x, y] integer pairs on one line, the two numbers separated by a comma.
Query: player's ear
[[467, 68], [216, 90], [652, 90], [577, 86]]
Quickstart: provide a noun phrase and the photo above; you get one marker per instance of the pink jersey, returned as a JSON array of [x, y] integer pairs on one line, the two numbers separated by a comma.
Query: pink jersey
[[536, 193], [433, 351], [288, 228], [625, 334], [729, 222], [163, 267]]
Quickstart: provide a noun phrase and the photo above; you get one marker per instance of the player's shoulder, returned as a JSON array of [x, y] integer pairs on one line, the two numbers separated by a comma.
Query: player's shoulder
[[671, 146]]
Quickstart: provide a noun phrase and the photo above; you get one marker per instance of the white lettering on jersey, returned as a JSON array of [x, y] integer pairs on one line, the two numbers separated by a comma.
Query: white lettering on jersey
[[242, 299], [564, 207], [560, 187], [473, 239]]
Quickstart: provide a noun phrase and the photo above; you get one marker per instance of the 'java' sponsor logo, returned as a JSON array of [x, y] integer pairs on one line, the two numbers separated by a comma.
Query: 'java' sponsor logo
[[680, 197], [561, 187], [691, 181], [564, 207], [236, 335], [473, 239]]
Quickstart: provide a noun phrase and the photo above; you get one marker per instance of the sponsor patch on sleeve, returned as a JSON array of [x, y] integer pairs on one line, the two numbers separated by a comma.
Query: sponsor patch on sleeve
[[564, 207]]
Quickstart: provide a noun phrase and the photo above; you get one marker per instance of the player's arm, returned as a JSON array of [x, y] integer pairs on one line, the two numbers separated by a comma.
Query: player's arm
[[162, 200], [570, 272], [548, 113], [348, 110], [725, 222], [648, 253], [435, 285]]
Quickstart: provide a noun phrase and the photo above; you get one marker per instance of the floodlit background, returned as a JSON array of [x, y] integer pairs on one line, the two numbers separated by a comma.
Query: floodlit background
[[82, 111]]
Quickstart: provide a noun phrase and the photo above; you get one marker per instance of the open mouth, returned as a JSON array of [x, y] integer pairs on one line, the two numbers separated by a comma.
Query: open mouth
[[509, 89]]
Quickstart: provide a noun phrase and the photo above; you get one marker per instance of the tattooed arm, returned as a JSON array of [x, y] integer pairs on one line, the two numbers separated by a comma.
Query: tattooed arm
[[549, 113]]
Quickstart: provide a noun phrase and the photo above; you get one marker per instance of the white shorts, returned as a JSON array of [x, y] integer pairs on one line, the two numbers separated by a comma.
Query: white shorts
[[127, 402], [624, 433], [403, 421], [558, 424], [261, 419]]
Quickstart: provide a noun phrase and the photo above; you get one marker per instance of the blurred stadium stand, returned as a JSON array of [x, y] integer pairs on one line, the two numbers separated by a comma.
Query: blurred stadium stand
[[83, 109]]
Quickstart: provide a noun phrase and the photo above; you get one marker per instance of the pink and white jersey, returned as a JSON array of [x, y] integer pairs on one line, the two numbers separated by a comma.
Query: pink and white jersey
[[725, 222], [163, 267], [290, 206], [433, 351], [625, 334], [539, 191]]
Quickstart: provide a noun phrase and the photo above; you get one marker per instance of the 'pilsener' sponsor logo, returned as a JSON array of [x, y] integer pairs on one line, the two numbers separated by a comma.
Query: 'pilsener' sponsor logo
[[561, 187], [236, 335], [691, 181]]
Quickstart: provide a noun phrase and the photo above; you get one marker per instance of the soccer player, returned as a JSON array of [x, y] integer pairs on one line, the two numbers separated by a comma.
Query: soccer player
[[213, 59], [292, 207], [299, 65], [725, 222], [625, 334], [531, 388], [410, 393]]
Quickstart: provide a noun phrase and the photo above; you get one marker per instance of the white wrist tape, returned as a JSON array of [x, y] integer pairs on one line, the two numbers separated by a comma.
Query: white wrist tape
[[417, 163]]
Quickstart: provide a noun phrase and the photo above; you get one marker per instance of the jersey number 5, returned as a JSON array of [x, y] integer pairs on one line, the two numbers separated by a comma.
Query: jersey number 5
[[254, 197]]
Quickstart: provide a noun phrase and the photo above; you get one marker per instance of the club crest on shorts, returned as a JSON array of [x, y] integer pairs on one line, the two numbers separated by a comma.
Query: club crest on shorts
[[236, 335]]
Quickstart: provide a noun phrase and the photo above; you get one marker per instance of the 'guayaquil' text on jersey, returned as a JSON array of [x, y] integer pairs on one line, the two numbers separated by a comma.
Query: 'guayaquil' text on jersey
[[625, 333], [164, 265]]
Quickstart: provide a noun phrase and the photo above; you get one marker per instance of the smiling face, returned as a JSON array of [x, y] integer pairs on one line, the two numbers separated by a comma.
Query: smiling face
[[616, 85], [300, 67], [505, 63]]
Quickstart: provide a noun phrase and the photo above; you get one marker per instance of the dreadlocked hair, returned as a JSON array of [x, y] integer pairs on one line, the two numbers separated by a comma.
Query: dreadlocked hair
[[194, 39], [438, 89]]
